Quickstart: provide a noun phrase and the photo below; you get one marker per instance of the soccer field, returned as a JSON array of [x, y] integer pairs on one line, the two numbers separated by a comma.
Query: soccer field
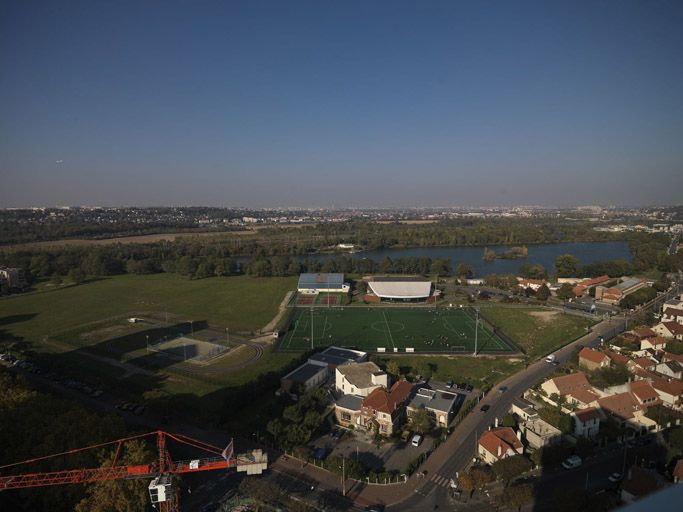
[[378, 329]]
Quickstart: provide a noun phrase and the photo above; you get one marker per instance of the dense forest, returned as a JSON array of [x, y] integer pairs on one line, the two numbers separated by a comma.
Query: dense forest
[[282, 253]]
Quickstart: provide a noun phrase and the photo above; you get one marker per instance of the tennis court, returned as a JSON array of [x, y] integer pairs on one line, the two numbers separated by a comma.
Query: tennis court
[[378, 329]]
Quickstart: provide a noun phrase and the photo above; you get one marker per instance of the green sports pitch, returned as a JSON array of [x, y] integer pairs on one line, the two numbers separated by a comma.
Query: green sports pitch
[[385, 329]]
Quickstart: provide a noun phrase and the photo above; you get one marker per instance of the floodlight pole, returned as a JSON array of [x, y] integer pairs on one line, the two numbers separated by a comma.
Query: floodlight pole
[[147, 338], [192, 327], [227, 333], [311, 328], [476, 330]]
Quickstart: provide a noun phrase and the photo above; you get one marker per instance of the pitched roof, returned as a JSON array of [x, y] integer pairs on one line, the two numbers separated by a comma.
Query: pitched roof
[[595, 280], [576, 385], [673, 357], [622, 405], [671, 387], [673, 327], [643, 390], [616, 357], [388, 401], [644, 332], [592, 355], [350, 402], [588, 414], [657, 340], [674, 366], [644, 362], [503, 437], [673, 312]]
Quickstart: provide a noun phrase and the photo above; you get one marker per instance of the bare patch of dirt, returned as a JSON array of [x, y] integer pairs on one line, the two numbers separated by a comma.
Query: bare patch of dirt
[[544, 316]]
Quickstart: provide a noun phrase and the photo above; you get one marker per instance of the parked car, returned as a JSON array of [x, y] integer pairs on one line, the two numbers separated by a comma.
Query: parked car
[[572, 462], [417, 439], [615, 478], [502, 389], [550, 358], [484, 408], [449, 383], [469, 388]]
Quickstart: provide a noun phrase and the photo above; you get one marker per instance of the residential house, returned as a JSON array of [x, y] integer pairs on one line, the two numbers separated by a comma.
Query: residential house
[[499, 443], [670, 391], [523, 409], [643, 332], [574, 388], [592, 359], [12, 278], [586, 422], [347, 410], [385, 409], [669, 330], [539, 433], [668, 356], [672, 369], [439, 403], [672, 315], [626, 410], [617, 358], [360, 378], [644, 363], [655, 343]]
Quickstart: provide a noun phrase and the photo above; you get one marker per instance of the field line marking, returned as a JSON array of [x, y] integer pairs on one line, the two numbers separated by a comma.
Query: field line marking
[[297, 319], [386, 322]]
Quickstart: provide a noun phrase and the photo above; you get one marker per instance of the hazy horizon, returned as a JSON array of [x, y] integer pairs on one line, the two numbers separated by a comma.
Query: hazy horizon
[[309, 104]]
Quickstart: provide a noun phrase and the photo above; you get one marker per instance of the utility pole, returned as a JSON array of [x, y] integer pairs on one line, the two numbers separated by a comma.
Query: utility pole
[[147, 338], [343, 476], [311, 328], [227, 334]]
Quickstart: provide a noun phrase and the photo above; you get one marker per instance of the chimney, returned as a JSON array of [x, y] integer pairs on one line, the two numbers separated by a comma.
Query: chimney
[[500, 450], [519, 435], [496, 423]]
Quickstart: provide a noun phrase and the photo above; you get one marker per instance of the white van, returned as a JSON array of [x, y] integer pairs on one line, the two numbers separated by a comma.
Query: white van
[[572, 462], [550, 358], [417, 439]]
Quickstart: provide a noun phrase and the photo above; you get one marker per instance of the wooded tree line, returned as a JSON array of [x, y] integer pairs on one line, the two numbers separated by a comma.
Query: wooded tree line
[[279, 256]]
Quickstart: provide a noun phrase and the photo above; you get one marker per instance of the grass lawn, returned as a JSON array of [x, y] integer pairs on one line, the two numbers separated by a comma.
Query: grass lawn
[[242, 303], [536, 330], [446, 330], [478, 371]]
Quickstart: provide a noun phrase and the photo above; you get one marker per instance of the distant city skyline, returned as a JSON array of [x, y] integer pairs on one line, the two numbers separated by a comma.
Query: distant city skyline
[[356, 104]]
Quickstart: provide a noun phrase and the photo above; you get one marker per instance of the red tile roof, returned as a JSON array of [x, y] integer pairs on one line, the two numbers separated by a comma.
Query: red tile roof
[[622, 405], [643, 390], [616, 357], [644, 362], [503, 437], [576, 385], [670, 387], [588, 414], [388, 401], [673, 312], [657, 340], [673, 357], [674, 328], [592, 355], [644, 332], [595, 280]]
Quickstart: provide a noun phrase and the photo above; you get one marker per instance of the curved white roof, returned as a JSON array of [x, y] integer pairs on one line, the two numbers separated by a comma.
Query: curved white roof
[[401, 289]]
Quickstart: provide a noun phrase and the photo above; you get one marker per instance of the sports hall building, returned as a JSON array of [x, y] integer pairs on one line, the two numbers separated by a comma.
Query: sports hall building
[[400, 289]]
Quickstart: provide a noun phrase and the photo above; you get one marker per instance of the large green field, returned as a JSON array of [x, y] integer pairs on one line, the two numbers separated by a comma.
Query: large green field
[[242, 303], [535, 329], [391, 329]]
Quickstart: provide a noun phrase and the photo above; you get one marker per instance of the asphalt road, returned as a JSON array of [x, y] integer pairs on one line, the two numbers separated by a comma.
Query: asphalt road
[[433, 495]]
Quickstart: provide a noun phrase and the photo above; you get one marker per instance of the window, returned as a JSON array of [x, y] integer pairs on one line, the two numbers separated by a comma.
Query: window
[[345, 416]]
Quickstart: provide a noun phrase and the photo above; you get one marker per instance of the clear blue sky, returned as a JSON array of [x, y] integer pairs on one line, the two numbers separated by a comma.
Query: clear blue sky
[[321, 103]]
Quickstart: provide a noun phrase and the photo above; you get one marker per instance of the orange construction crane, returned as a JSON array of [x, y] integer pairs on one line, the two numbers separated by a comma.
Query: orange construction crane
[[162, 489]]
